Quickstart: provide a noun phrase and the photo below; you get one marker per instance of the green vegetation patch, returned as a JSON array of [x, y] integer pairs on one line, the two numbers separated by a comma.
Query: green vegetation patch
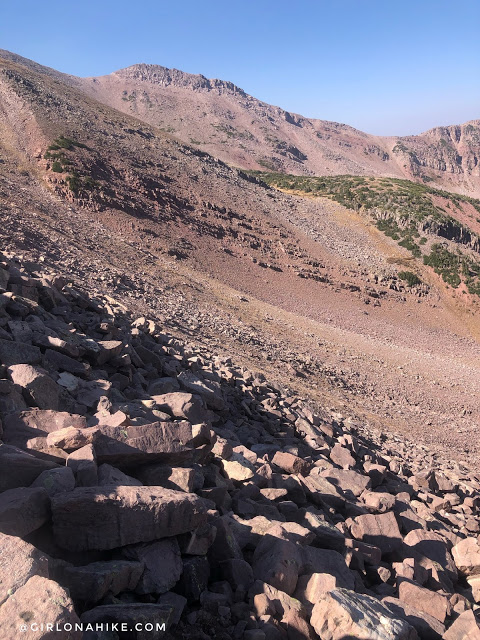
[[404, 211]]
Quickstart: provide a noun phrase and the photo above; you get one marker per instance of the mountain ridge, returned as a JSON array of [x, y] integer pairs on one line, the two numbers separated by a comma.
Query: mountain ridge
[[222, 119]]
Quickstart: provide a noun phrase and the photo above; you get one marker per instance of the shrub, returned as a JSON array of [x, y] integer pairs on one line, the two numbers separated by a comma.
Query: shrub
[[410, 278]]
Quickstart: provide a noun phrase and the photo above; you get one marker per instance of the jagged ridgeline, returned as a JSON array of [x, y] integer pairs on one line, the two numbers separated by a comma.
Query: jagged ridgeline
[[436, 226]]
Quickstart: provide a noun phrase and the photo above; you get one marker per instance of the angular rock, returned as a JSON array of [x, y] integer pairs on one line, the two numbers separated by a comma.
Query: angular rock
[[380, 530], [182, 405], [465, 627], [37, 602], [84, 466], [56, 481], [238, 468], [93, 581], [430, 602], [431, 550], [290, 463], [12, 353], [323, 492], [342, 457], [162, 565], [238, 573], [207, 389], [19, 561], [350, 482], [466, 555], [326, 561], [277, 562], [19, 468], [166, 442], [194, 580], [176, 601], [23, 510], [177, 478], [342, 614], [108, 475], [38, 387], [70, 438], [24, 425], [426, 625], [109, 517]]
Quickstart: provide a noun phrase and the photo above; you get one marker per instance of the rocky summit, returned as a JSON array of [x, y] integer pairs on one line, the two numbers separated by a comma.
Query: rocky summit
[[234, 404]]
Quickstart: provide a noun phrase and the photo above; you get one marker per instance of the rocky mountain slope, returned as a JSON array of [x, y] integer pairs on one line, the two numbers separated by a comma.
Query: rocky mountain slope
[[179, 338], [149, 482], [218, 117]]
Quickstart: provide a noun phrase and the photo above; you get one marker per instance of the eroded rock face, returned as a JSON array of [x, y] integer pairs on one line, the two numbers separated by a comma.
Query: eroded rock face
[[110, 517]]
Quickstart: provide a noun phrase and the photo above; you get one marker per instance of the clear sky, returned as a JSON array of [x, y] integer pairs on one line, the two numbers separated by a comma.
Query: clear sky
[[388, 67]]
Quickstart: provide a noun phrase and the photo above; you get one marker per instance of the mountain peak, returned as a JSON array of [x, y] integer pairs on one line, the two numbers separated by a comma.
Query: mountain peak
[[158, 75]]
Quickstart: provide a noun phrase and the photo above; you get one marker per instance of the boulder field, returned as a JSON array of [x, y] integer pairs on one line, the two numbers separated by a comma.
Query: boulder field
[[145, 479]]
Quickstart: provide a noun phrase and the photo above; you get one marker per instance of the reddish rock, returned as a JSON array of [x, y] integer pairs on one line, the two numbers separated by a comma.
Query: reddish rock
[[23, 510], [431, 602], [162, 565], [19, 561], [110, 517], [380, 530], [178, 478], [37, 602], [166, 442], [93, 581], [290, 463], [38, 387], [350, 482], [465, 627], [182, 405], [56, 481], [343, 614], [19, 468], [428, 627], [21, 426], [431, 551], [277, 562], [466, 555], [342, 456], [326, 561], [84, 466]]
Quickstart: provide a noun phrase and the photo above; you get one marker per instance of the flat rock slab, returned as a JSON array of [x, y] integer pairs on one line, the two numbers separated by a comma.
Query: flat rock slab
[[342, 614], [19, 561], [110, 517], [39, 601]]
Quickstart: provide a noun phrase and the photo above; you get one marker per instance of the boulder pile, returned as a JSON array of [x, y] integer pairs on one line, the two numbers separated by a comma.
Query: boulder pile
[[143, 479]]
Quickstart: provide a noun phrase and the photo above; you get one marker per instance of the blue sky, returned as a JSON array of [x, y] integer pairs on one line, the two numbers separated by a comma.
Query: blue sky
[[388, 67]]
